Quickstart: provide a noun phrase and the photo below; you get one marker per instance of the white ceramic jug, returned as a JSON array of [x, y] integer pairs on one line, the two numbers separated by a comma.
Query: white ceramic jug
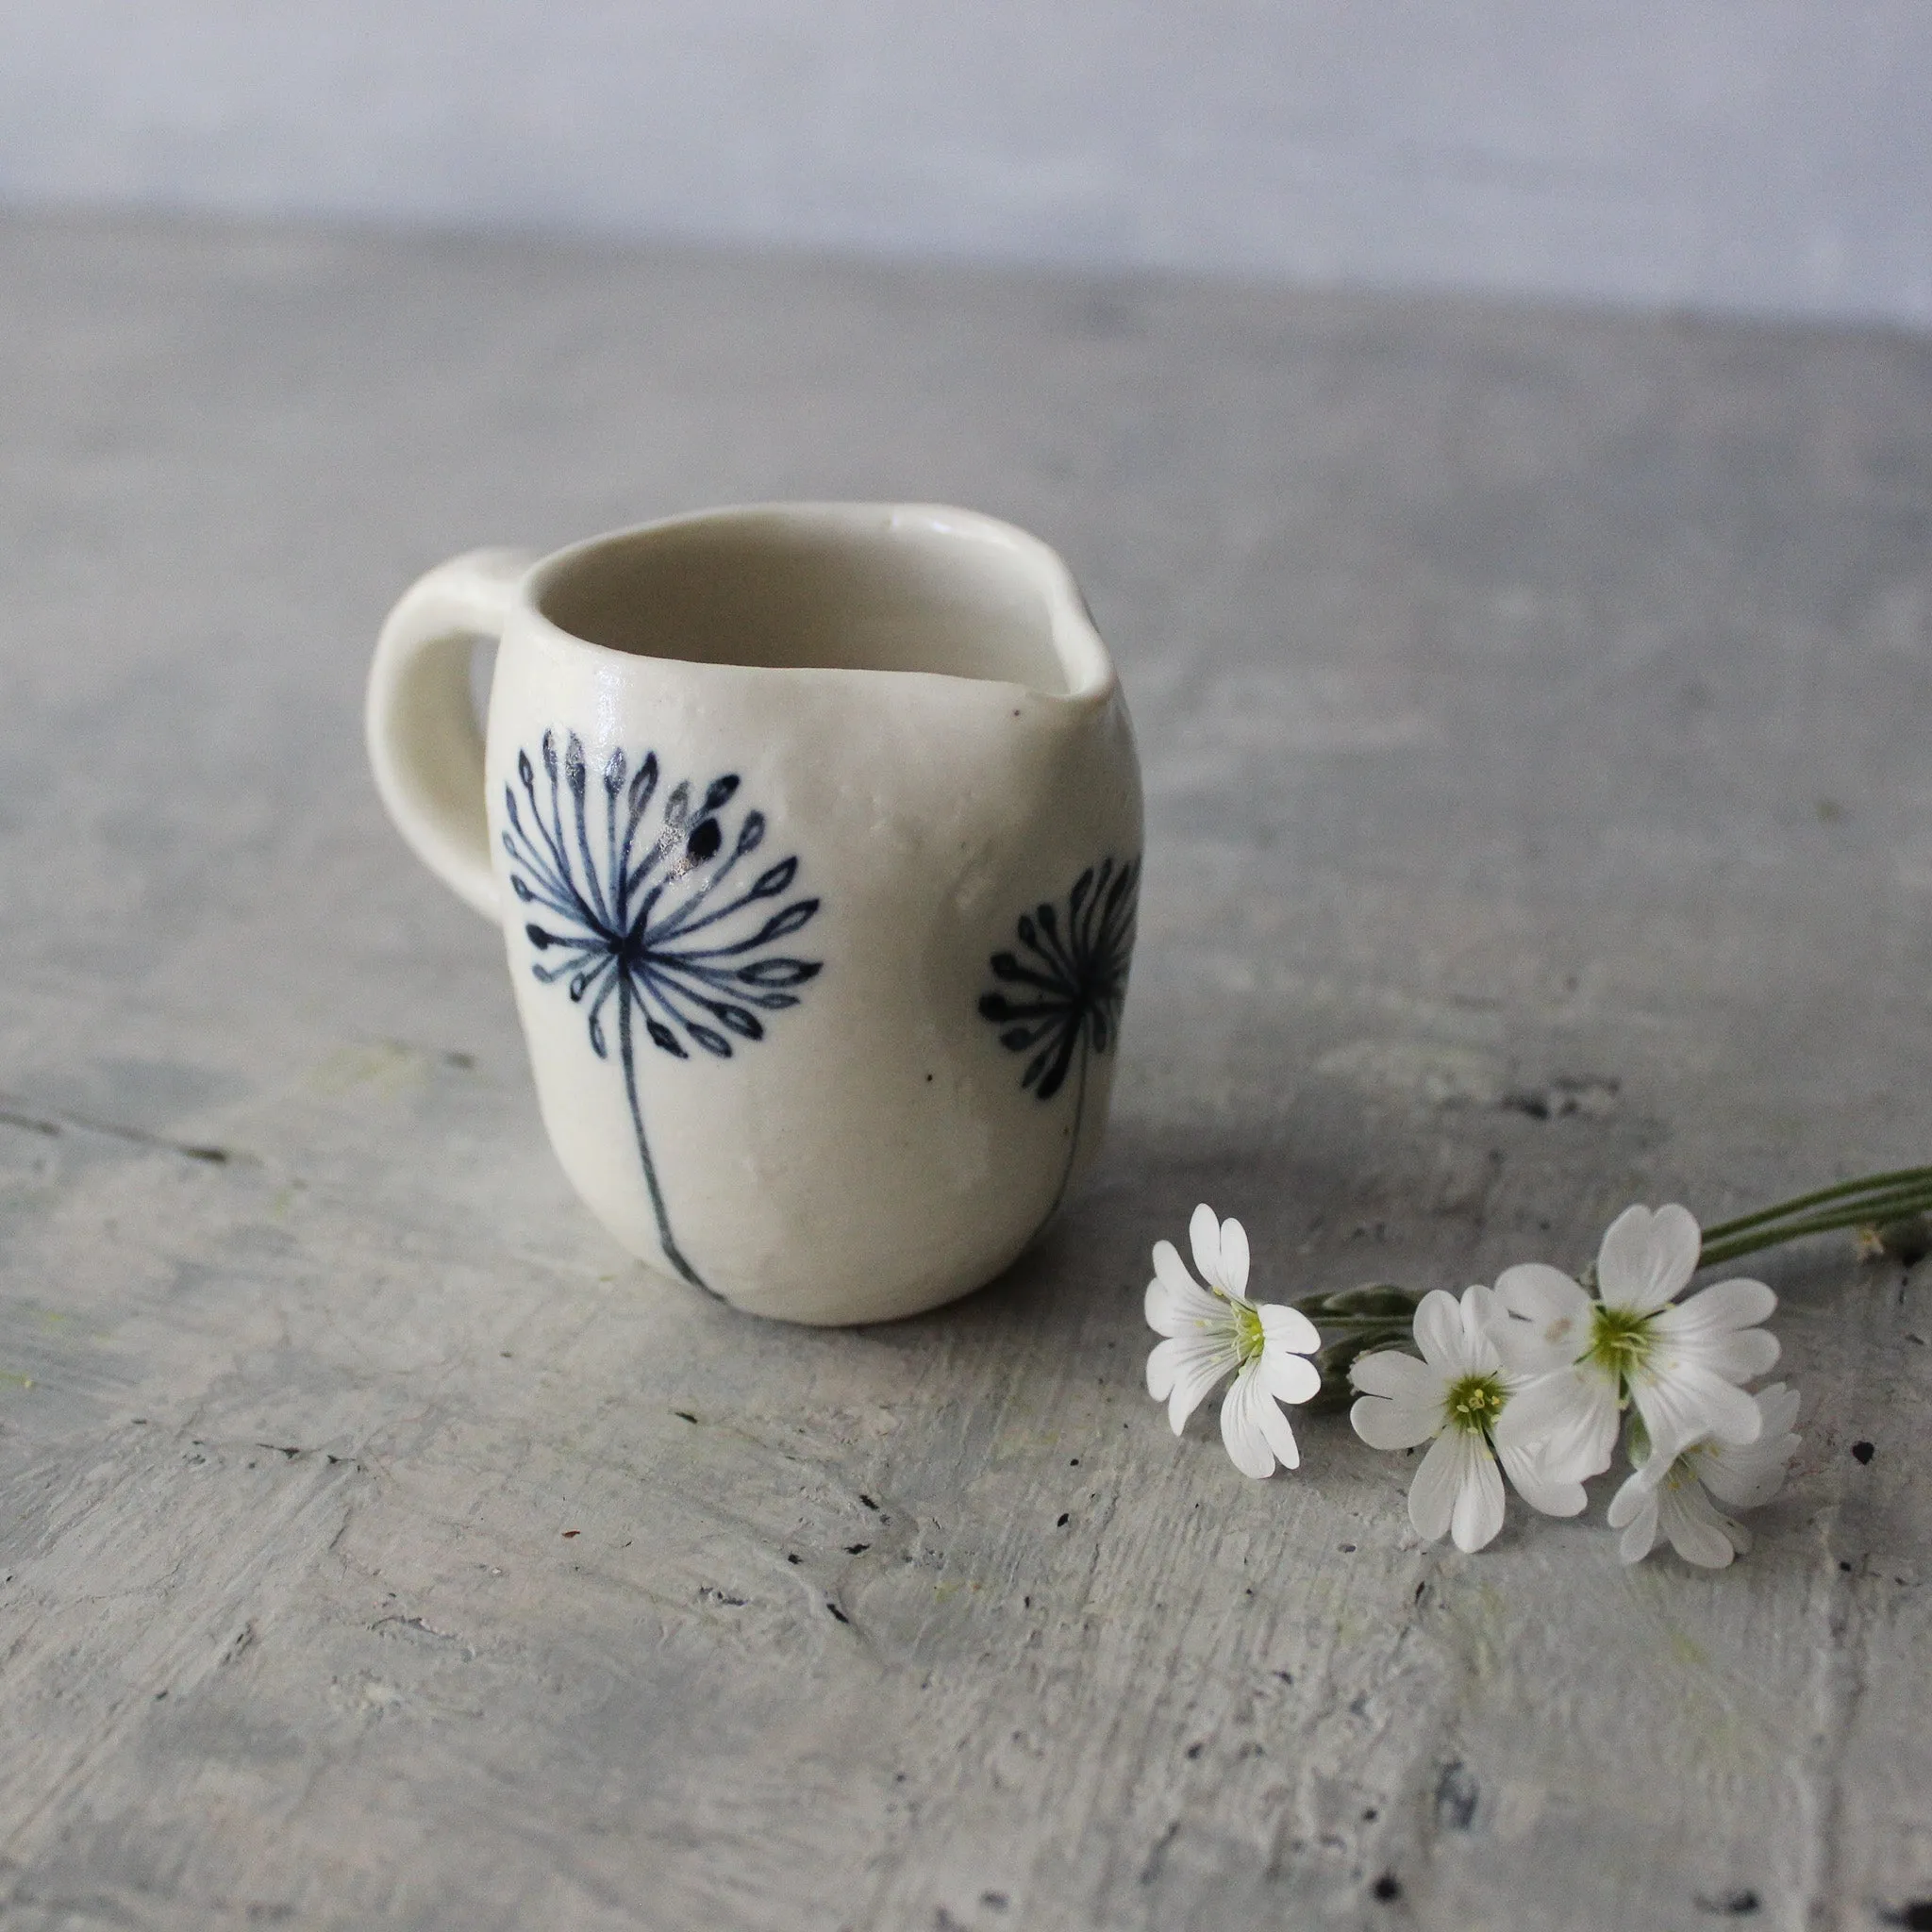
[[814, 834]]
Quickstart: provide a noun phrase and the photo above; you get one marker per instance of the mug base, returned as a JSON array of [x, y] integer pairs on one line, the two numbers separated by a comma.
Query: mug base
[[851, 1305]]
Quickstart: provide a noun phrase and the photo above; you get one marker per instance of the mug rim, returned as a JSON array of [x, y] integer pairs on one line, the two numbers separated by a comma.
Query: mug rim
[[1072, 633]]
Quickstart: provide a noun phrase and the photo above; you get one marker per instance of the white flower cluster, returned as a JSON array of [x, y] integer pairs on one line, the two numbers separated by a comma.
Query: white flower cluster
[[1531, 1379]]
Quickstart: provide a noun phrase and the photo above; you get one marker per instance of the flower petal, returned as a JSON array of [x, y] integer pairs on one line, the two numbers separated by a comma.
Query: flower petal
[[1636, 1491], [1684, 1403], [1412, 1412], [1286, 1328], [1480, 1315], [1388, 1372], [1696, 1530], [1288, 1377], [1175, 1302], [1539, 1319], [1554, 1495], [1724, 1305], [1646, 1258], [1633, 1510], [1713, 1327], [1255, 1431], [1740, 1357], [1204, 1237], [1747, 1475], [1384, 1425], [1234, 1258], [1432, 1494], [1567, 1420], [1439, 1334], [1280, 1434], [1183, 1371], [1479, 1495], [1171, 1268]]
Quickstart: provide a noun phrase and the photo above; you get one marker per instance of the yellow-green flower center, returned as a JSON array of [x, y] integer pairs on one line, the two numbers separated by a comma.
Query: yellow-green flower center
[[1475, 1403], [1620, 1343], [1248, 1338]]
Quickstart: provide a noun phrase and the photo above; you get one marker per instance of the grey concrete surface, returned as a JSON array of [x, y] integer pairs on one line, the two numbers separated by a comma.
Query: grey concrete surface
[[1757, 155], [1534, 711]]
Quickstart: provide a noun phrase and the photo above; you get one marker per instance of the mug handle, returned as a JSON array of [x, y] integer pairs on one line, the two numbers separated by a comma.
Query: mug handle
[[424, 744]]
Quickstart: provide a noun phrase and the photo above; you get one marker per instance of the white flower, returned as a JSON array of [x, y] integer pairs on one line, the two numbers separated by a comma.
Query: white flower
[[1457, 1393], [1671, 1496], [1682, 1365], [1214, 1330]]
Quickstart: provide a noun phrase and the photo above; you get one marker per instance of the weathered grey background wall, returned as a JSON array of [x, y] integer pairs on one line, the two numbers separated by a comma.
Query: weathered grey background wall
[[1765, 156]]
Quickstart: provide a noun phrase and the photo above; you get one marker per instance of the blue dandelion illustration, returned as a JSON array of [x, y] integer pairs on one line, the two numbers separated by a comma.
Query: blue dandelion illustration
[[672, 928], [1061, 989]]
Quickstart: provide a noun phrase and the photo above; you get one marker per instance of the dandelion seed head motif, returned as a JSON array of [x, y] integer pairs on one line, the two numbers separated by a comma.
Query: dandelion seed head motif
[[1061, 989], [659, 919], [1068, 979]]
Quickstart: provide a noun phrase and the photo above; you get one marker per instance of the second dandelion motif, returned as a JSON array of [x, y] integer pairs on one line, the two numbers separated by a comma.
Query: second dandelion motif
[[1063, 988]]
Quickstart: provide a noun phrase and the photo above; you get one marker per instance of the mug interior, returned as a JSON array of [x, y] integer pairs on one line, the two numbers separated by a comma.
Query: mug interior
[[835, 586]]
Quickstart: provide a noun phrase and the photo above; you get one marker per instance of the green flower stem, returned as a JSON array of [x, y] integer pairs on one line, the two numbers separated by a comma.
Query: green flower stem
[[1863, 1209], [1873, 1211], [1911, 1178], [1356, 1322]]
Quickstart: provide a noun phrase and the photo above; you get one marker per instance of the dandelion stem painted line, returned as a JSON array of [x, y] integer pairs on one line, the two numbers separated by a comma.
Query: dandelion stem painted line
[[666, 924], [1061, 989]]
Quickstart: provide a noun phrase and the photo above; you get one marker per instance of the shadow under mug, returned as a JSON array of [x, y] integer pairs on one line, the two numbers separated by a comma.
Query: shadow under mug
[[814, 834]]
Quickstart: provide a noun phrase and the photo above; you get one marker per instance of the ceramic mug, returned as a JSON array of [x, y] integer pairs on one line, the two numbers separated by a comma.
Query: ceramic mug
[[814, 834]]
